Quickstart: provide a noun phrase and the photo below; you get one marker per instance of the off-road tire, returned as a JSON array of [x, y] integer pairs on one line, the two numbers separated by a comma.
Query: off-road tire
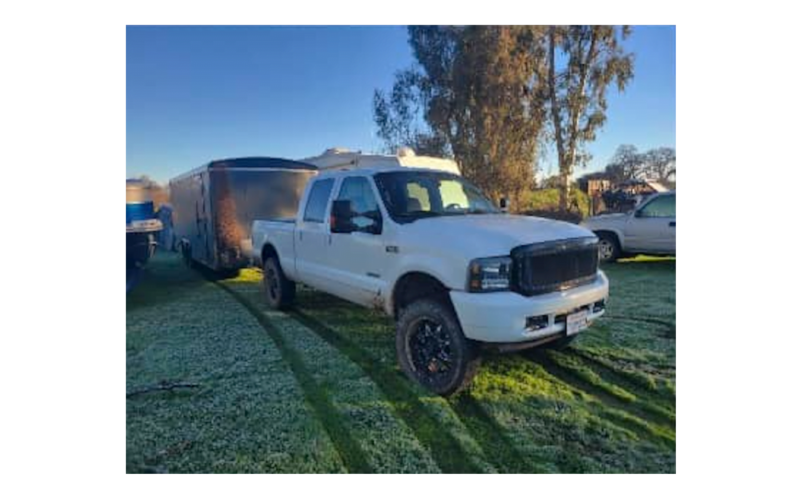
[[608, 248], [279, 291], [463, 355]]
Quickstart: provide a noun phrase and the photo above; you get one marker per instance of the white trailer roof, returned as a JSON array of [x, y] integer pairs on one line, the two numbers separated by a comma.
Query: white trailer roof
[[340, 159]]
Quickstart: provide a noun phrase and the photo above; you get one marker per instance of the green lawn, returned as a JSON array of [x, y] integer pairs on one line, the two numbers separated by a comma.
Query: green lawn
[[318, 390]]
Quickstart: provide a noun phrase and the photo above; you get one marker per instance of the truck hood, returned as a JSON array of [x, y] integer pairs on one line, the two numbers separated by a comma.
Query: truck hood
[[474, 236]]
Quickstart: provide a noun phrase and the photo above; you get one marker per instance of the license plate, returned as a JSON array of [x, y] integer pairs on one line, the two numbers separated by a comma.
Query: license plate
[[577, 321]]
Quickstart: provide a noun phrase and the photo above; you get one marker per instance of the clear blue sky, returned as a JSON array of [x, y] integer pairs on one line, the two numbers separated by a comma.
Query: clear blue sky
[[200, 93]]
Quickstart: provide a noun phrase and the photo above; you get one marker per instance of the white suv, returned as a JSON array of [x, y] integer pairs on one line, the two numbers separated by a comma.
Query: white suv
[[648, 229]]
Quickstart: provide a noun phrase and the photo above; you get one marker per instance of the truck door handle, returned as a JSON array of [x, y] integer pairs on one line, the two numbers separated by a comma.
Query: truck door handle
[[300, 235], [672, 224]]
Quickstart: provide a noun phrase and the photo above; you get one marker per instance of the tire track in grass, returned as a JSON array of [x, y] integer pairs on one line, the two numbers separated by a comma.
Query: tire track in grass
[[495, 443], [388, 443], [351, 453], [637, 384], [448, 453], [575, 367], [623, 414]]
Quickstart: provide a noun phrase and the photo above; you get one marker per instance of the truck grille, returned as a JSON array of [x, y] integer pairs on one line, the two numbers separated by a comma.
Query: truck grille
[[554, 266]]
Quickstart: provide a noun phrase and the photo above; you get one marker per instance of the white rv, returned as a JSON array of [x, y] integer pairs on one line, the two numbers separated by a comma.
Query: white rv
[[344, 159]]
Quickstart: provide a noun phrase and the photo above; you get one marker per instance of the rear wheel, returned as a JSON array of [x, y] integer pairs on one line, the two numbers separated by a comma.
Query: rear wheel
[[608, 247], [279, 291], [432, 349]]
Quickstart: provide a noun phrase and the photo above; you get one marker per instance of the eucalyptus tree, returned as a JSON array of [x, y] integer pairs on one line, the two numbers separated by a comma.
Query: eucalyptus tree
[[582, 62], [475, 93]]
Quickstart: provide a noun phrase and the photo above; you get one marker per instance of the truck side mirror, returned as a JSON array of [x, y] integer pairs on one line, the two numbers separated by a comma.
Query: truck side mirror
[[377, 222], [504, 204], [342, 217]]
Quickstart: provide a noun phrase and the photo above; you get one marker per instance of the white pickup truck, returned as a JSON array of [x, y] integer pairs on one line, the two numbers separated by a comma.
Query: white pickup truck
[[432, 251]]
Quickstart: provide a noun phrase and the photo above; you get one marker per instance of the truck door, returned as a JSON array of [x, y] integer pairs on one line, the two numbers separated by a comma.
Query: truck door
[[360, 253], [651, 228], [311, 236]]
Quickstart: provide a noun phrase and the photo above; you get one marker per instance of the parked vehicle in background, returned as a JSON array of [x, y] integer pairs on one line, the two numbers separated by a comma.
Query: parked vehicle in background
[[647, 229], [142, 229], [429, 249], [215, 204]]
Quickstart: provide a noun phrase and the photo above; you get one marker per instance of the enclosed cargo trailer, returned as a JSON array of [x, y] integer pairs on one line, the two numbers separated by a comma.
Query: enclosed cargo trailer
[[215, 204]]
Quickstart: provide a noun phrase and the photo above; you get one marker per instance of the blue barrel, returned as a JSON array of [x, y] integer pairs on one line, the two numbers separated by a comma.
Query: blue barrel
[[138, 211], [139, 204]]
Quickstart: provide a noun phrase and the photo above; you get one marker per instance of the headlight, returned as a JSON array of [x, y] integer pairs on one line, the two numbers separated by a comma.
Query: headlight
[[489, 275]]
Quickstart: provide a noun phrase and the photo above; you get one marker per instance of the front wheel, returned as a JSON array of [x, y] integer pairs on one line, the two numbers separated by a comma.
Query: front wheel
[[278, 289], [432, 349], [608, 249]]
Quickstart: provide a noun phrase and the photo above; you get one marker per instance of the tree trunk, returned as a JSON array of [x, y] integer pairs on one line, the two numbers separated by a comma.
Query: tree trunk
[[575, 114], [555, 109]]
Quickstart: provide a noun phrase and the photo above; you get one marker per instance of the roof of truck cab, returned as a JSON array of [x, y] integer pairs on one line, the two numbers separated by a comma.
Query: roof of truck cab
[[249, 163]]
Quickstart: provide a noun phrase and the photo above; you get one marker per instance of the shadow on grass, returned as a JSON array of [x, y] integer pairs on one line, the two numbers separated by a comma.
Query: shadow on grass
[[642, 417]]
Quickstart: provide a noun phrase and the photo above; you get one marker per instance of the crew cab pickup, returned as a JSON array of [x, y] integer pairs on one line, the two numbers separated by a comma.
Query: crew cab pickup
[[430, 250]]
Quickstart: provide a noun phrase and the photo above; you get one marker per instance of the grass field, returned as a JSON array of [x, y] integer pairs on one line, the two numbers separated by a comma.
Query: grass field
[[318, 390]]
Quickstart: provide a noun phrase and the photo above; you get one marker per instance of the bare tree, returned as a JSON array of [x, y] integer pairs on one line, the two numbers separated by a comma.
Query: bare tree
[[629, 164], [660, 164]]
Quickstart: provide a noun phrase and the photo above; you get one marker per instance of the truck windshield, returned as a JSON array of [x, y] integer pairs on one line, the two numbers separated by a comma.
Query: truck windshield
[[412, 195]]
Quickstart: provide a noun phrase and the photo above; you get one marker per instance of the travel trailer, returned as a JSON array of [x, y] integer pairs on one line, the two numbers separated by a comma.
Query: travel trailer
[[345, 159]]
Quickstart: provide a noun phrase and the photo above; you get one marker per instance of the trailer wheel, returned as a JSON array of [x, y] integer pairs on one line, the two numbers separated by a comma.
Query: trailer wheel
[[279, 290], [186, 253]]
